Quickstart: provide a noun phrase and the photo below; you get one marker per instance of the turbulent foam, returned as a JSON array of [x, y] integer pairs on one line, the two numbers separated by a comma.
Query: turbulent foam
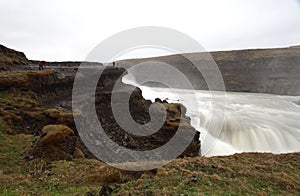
[[253, 122]]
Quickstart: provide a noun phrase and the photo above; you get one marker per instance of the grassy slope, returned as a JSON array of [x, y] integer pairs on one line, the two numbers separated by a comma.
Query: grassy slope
[[235, 175], [10, 57]]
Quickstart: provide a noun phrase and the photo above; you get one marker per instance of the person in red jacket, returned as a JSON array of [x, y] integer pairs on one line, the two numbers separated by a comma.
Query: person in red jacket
[[41, 65]]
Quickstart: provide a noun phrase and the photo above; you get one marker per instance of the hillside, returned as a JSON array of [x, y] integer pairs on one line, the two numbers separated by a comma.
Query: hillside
[[274, 71], [10, 58]]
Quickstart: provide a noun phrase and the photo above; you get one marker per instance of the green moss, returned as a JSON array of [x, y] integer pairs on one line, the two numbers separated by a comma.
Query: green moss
[[9, 154], [18, 99], [250, 174], [4, 128]]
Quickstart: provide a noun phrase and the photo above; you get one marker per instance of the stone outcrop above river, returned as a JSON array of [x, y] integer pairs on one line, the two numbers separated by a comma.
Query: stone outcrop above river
[[42, 99]]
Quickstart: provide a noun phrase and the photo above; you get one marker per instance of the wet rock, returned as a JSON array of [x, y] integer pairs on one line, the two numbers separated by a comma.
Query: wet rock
[[145, 186], [214, 166], [117, 186], [28, 157], [78, 180], [49, 172], [88, 193], [105, 191], [194, 178]]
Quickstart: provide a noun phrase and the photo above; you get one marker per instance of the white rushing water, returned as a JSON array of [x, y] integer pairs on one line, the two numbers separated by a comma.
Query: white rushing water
[[249, 122], [252, 122]]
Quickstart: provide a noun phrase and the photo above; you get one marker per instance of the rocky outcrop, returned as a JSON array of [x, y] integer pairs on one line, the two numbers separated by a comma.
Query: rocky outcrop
[[30, 91], [139, 111], [10, 57], [273, 71], [56, 142]]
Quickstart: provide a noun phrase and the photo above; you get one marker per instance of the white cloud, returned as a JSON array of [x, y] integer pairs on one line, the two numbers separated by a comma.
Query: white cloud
[[68, 30]]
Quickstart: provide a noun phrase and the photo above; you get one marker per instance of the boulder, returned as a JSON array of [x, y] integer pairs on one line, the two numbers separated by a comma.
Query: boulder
[[56, 142]]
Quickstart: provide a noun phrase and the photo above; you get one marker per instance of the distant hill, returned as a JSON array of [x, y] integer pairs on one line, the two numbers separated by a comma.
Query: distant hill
[[273, 71], [10, 57]]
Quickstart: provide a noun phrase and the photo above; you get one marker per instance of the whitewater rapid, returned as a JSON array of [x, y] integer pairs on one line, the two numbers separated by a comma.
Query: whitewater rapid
[[252, 122], [249, 122]]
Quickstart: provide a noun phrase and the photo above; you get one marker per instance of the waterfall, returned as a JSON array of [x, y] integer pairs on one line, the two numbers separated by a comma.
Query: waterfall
[[251, 122]]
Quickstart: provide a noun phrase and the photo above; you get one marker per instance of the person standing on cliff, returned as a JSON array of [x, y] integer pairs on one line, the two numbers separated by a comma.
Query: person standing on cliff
[[41, 65]]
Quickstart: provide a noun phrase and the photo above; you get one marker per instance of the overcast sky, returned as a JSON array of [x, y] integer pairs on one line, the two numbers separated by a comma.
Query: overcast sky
[[59, 30]]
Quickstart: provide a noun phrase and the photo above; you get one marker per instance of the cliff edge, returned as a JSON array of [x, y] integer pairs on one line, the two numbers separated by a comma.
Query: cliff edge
[[274, 71], [10, 57]]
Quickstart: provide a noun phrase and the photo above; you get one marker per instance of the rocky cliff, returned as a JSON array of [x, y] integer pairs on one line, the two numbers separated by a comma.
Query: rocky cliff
[[10, 57], [139, 109], [273, 71], [34, 99]]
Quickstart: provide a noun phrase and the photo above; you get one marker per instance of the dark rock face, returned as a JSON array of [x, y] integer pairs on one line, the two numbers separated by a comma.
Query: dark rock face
[[47, 89], [264, 71], [139, 110], [66, 64], [105, 191], [273, 71], [10, 57]]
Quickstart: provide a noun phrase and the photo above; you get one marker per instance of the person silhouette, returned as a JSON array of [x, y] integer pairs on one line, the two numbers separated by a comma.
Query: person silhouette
[[41, 65]]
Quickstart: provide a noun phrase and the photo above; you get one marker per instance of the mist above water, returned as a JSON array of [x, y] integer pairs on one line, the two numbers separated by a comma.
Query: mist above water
[[252, 122]]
